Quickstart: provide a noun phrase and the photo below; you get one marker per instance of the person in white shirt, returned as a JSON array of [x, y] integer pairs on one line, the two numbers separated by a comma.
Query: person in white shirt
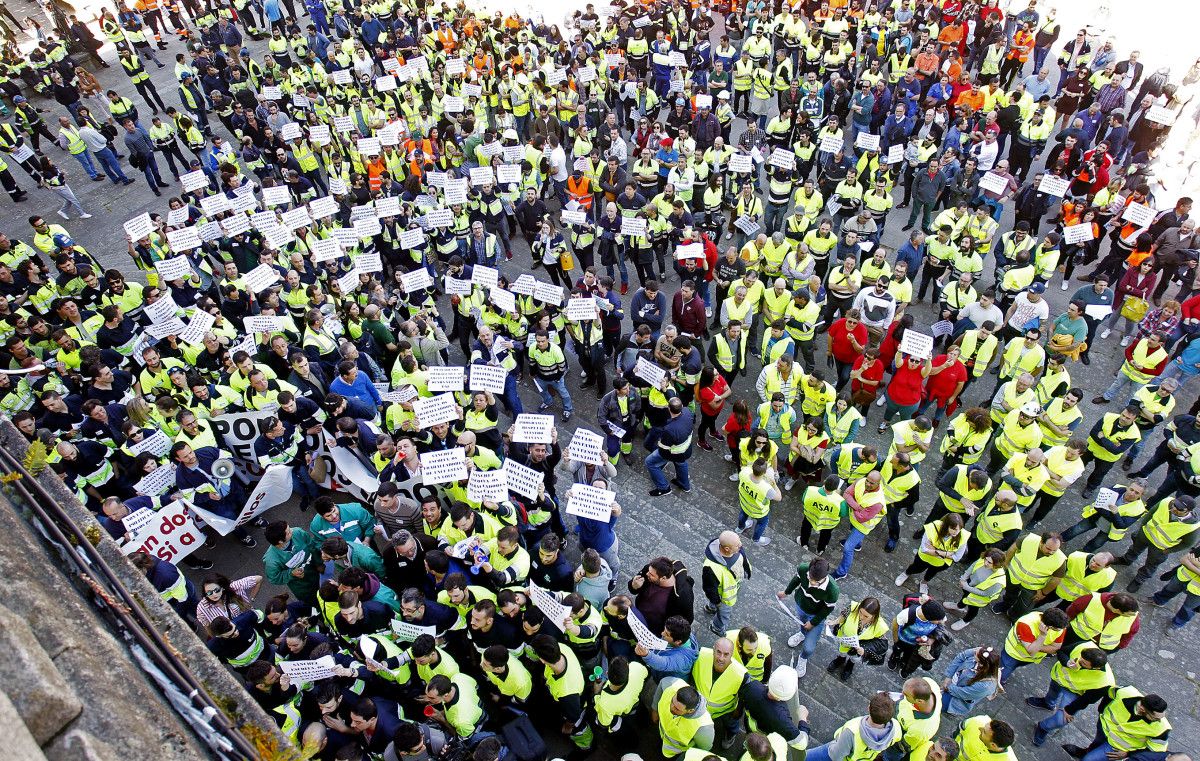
[[1029, 305], [985, 153], [877, 306], [558, 168]]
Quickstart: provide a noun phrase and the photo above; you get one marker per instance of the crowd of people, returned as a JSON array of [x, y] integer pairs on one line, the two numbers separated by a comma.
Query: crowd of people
[[367, 207]]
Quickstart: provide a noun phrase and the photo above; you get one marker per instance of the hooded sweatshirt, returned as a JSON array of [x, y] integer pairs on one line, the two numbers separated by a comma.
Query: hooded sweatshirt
[[876, 738], [739, 564]]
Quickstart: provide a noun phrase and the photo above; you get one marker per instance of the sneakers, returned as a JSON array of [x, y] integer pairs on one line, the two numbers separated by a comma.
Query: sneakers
[[710, 609], [1064, 285], [958, 626], [801, 665], [952, 606], [703, 444], [733, 476], [796, 639], [923, 588], [708, 312], [248, 541], [659, 492], [1126, 340], [880, 401], [1104, 334], [680, 484], [567, 415], [763, 541], [1039, 703], [624, 288], [901, 579], [63, 214], [749, 525], [85, 215], [788, 483], [728, 457], [543, 407]]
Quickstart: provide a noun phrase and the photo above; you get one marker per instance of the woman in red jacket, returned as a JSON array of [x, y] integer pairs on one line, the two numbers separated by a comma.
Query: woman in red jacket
[[947, 376], [905, 389]]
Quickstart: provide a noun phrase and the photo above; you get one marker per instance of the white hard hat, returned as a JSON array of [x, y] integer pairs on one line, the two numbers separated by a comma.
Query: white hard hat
[[1031, 409], [783, 682]]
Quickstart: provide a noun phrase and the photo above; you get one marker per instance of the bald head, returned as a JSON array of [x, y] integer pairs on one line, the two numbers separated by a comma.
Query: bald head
[[729, 543]]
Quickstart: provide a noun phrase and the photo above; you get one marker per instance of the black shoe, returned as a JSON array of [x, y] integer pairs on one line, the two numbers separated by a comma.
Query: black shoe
[[248, 541], [198, 563], [710, 609], [98, 178], [1085, 359], [1038, 703], [847, 670], [1121, 560], [157, 192], [659, 492], [127, 181], [918, 533], [890, 546], [679, 483], [163, 185], [836, 664], [1074, 750], [1135, 585]]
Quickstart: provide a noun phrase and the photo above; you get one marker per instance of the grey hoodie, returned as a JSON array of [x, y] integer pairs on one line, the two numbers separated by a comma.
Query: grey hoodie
[[876, 738]]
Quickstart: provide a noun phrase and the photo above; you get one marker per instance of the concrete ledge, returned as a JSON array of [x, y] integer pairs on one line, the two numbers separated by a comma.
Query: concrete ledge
[[42, 697], [18, 742]]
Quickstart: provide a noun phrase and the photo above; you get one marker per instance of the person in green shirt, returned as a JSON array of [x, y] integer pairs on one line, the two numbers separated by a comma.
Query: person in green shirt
[[1069, 324], [814, 595], [284, 563]]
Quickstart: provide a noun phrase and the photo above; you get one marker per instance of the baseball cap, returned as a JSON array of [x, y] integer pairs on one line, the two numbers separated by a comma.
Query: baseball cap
[[20, 99], [783, 682], [63, 241], [1037, 288]]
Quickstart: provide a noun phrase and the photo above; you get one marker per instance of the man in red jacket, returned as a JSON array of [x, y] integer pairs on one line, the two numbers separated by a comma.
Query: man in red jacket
[[687, 312]]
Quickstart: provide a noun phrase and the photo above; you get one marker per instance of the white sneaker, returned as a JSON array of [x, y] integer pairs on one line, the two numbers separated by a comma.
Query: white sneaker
[[788, 483], [1064, 285], [728, 457], [708, 312], [801, 666], [63, 214], [1126, 341], [1105, 333], [959, 625], [796, 639], [583, 373], [728, 236], [749, 526], [733, 476], [763, 541], [901, 579], [880, 401], [952, 606], [85, 215]]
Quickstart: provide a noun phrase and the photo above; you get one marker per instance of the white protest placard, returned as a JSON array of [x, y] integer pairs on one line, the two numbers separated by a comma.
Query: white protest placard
[[435, 409], [184, 239], [455, 66], [214, 205], [439, 218], [326, 250], [443, 467], [523, 285], [385, 84], [575, 217], [548, 293], [453, 104], [178, 217], [488, 378], [740, 163], [291, 131], [341, 77], [171, 536], [367, 228], [278, 237], [139, 227], [486, 276], [513, 154], [850, 641], [587, 447], [941, 328], [140, 518], [472, 90], [319, 134], [455, 195], [746, 225], [585, 74], [482, 175], [555, 77], [446, 378], [402, 395], [1106, 499], [412, 238], [201, 323], [994, 182], [641, 21], [1054, 185], [1138, 213], [545, 601], [368, 262], [261, 278], [678, 58], [417, 280], [175, 268], [650, 372], [161, 330], [916, 344], [263, 324], [277, 195], [867, 141], [831, 143], [487, 486], [388, 206], [457, 287], [590, 502], [504, 300], [300, 672], [163, 309], [1078, 233], [523, 480], [193, 181], [507, 173], [272, 92], [294, 219], [236, 225], [530, 428], [368, 146], [783, 158], [349, 282], [690, 251], [582, 309], [338, 186], [895, 154], [153, 484], [645, 637], [1160, 115], [633, 226], [408, 632], [157, 444]]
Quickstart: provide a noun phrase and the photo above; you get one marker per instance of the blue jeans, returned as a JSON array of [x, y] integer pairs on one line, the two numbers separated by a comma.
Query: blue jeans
[[1100, 753], [1191, 602], [655, 464], [560, 385], [303, 484], [85, 160], [1122, 386], [721, 620], [853, 542], [1057, 696], [1008, 665], [1174, 370], [996, 207], [760, 524], [811, 637], [819, 753], [511, 398], [620, 265], [153, 178], [112, 167], [360, 408]]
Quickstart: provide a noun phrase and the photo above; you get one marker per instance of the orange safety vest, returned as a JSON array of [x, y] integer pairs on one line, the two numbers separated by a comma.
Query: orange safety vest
[[482, 63], [580, 192], [446, 36], [375, 169]]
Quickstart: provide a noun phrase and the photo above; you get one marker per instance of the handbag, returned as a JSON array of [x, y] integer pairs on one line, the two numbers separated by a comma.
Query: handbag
[[319, 469], [1134, 308], [567, 261], [874, 650]]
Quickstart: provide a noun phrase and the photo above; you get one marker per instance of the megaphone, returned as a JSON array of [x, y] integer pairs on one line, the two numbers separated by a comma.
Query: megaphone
[[223, 469]]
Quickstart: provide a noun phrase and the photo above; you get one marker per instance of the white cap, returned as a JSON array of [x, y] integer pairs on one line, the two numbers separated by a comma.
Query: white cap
[[510, 134], [723, 95], [783, 682], [1032, 409]]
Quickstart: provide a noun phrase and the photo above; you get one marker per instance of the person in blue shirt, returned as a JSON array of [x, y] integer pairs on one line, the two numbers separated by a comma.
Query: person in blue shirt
[[912, 252], [353, 384], [973, 676], [667, 158], [678, 657]]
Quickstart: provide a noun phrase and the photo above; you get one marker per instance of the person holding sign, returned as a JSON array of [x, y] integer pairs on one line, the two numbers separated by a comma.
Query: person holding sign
[[548, 366]]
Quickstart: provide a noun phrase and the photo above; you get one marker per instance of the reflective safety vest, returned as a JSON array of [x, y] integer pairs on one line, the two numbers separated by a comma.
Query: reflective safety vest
[[821, 509], [1184, 574], [852, 627], [677, 731], [1062, 417], [905, 433], [1090, 625], [1126, 733], [1143, 360], [949, 544], [569, 682], [755, 664], [720, 690], [725, 351], [838, 428], [860, 750], [993, 524], [962, 485], [728, 579], [981, 353], [1017, 649], [779, 748], [752, 495], [969, 443], [896, 486], [1029, 568], [516, 682], [1080, 580], [1080, 680], [611, 705], [1124, 509], [919, 730], [849, 466], [993, 585], [1164, 530], [970, 742], [1110, 433], [75, 144], [465, 713], [133, 67], [868, 499]]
